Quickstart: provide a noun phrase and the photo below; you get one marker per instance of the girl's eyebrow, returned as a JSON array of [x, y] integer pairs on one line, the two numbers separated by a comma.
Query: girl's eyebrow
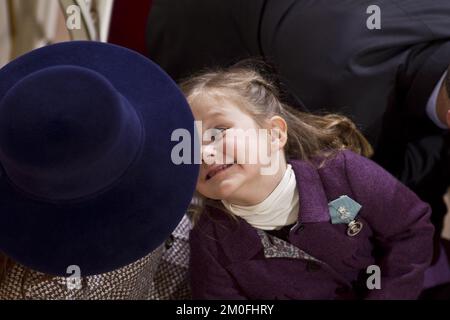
[[215, 114]]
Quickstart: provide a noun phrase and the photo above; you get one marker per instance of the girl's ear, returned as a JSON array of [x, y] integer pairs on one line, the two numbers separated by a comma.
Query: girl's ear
[[278, 132]]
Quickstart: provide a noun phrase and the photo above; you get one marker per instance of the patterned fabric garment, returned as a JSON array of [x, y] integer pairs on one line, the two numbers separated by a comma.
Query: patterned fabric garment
[[128, 283], [275, 247], [171, 281], [162, 275]]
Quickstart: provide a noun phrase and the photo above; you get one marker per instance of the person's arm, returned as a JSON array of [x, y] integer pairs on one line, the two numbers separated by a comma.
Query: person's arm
[[400, 222], [209, 279], [428, 47]]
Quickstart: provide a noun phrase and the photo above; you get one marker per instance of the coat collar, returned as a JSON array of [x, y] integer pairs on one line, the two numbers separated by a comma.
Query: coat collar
[[313, 203], [244, 243]]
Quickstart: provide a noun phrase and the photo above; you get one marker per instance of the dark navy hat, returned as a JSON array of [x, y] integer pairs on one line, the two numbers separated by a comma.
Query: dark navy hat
[[86, 175]]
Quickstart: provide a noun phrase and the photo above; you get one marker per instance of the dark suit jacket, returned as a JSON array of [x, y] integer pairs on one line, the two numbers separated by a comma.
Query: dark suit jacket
[[382, 78], [323, 49], [228, 260], [332, 62]]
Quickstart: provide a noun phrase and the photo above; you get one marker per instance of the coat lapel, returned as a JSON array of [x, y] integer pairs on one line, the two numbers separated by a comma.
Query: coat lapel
[[313, 203], [240, 240]]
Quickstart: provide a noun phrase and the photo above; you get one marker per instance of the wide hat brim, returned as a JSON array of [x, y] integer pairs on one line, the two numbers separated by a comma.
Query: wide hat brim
[[135, 215]]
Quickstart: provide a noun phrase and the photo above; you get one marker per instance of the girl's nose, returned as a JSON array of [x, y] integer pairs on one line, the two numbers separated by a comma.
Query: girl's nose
[[208, 153]]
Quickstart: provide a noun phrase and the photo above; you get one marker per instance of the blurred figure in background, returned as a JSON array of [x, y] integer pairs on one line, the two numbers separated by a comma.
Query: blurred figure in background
[[27, 25]]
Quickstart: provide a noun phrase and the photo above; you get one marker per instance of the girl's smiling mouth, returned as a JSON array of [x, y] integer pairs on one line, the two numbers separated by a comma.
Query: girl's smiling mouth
[[217, 169]]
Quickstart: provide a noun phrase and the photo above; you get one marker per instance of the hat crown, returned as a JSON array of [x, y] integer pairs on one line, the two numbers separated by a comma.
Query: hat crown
[[65, 133], [97, 199]]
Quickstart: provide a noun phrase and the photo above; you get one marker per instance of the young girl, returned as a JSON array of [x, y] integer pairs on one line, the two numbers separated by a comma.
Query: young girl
[[326, 223]]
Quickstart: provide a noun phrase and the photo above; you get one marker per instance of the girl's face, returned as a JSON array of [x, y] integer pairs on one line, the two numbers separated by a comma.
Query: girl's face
[[230, 171]]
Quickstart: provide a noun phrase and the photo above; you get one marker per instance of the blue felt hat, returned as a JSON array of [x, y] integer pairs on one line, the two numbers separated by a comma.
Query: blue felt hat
[[86, 175]]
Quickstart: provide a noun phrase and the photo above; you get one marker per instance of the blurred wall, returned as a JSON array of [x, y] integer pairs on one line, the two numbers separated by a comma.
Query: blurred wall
[[129, 24]]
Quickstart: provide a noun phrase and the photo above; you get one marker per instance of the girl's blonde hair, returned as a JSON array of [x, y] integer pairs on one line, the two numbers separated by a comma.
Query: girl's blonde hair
[[309, 135]]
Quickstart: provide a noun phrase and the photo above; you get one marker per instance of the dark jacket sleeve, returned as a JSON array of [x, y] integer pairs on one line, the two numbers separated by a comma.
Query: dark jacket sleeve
[[209, 278], [186, 36], [400, 222]]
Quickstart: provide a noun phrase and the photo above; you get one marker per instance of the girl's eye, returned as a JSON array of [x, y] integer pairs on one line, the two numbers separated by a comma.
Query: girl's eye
[[216, 134]]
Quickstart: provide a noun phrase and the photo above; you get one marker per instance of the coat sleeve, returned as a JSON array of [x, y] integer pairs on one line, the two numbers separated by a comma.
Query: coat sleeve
[[209, 279], [400, 223]]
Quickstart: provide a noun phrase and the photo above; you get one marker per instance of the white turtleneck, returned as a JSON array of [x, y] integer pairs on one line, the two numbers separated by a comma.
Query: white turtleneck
[[279, 209]]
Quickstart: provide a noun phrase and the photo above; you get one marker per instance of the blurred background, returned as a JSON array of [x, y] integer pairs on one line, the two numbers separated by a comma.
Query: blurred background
[[26, 25]]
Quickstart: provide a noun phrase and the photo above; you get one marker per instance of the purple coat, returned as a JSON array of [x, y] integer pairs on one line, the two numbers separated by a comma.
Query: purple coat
[[228, 260]]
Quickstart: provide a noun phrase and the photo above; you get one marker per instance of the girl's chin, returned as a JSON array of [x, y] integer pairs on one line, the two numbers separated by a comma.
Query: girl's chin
[[222, 191]]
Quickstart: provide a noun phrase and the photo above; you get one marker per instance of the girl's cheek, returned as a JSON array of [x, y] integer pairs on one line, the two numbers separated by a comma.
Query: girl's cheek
[[245, 151], [200, 189], [226, 147], [242, 149], [199, 180], [239, 151], [229, 150]]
